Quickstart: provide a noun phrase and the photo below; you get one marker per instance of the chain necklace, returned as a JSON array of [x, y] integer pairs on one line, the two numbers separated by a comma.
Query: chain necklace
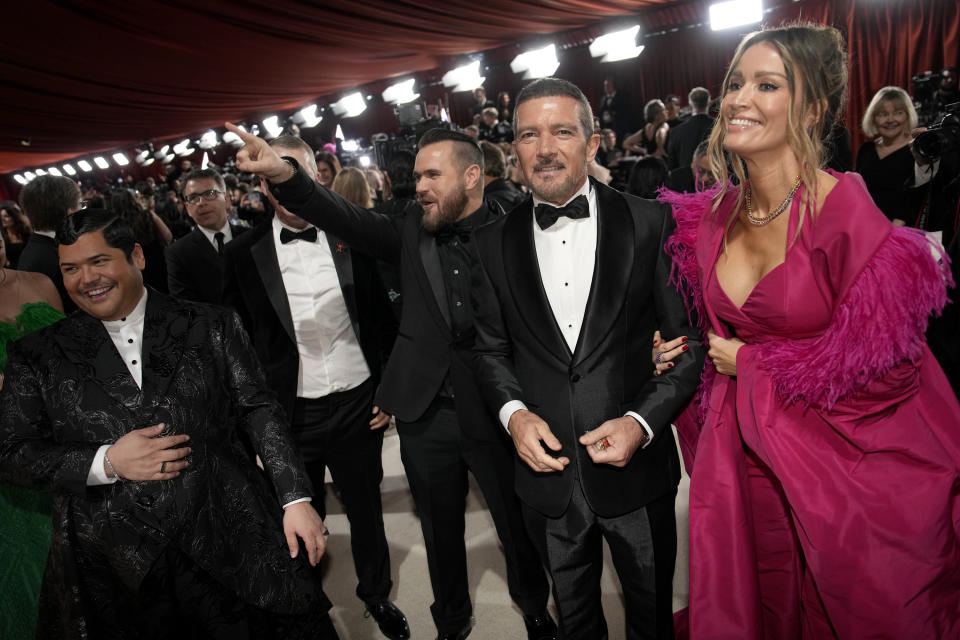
[[770, 217]]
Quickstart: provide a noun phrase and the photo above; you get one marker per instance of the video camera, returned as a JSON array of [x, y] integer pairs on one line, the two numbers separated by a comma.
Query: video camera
[[942, 137], [414, 122]]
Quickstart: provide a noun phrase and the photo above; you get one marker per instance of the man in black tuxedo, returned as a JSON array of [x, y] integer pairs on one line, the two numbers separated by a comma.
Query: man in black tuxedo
[[46, 201], [428, 384], [322, 326], [615, 110], [131, 413], [569, 289], [495, 184], [195, 261], [685, 137]]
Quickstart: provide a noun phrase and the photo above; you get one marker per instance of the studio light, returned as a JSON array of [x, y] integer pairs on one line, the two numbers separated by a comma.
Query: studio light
[[84, 166], [168, 158], [233, 139], [465, 78], [149, 162], [208, 140], [162, 153], [364, 161], [307, 117], [121, 159], [618, 45], [141, 158], [29, 175], [183, 148], [69, 169], [538, 63], [101, 162], [350, 106], [54, 172], [41, 172], [20, 179], [735, 13], [350, 146], [400, 93], [338, 133], [272, 127], [206, 161]]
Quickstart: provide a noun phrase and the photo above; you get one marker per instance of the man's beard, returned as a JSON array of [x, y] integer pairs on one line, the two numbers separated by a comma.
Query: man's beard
[[448, 209]]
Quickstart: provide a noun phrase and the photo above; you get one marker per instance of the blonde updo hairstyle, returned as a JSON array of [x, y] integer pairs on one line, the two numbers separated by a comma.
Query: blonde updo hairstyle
[[815, 56]]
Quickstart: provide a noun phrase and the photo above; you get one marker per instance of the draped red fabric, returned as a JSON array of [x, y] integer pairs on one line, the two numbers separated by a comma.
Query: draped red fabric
[[85, 77]]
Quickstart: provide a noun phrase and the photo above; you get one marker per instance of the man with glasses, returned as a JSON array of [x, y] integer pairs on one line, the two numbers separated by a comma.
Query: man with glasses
[[195, 261]]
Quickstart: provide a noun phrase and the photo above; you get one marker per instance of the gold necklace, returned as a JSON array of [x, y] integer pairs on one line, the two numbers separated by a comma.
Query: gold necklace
[[770, 217]]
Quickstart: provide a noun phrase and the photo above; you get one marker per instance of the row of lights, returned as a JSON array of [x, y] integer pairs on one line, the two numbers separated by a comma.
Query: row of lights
[[536, 63]]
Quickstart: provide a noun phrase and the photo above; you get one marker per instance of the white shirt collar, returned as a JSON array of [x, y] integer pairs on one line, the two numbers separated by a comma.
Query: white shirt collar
[[132, 318], [225, 230]]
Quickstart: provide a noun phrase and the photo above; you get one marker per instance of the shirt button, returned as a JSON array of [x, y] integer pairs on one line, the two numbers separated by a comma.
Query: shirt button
[[459, 304], [456, 272], [134, 362], [130, 340], [566, 284]]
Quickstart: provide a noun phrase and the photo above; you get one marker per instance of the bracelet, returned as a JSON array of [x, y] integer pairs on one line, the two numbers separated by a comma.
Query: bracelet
[[106, 459]]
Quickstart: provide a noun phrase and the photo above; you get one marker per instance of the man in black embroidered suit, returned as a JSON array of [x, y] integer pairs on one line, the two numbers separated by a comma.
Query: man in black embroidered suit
[[428, 383], [322, 325], [130, 411], [567, 302]]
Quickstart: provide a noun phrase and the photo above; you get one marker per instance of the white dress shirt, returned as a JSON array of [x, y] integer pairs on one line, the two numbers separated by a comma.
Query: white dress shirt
[[211, 235], [331, 359], [566, 255]]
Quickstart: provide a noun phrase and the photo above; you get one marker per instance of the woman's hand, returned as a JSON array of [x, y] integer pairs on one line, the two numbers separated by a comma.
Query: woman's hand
[[666, 351], [723, 352]]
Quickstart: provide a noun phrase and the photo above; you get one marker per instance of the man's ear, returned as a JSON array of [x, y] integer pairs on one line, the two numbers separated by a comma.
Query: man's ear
[[472, 177], [136, 257]]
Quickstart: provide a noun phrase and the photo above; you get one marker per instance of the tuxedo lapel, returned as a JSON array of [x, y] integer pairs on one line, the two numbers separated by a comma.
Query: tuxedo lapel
[[343, 262], [611, 273], [526, 284], [165, 329], [263, 252], [430, 277]]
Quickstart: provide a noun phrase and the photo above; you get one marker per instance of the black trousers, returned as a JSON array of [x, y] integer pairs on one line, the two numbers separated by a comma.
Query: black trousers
[[643, 545], [436, 457], [334, 431]]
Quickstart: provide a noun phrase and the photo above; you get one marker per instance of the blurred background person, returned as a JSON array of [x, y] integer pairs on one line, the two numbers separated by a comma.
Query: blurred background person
[[151, 234], [505, 106], [696, 176], [650, 140], [327, 168], [15, 229], [694, 130], [496, 188], [646, 177], [352, 185]]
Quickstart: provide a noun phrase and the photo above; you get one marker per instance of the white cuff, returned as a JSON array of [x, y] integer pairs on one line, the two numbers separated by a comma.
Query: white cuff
[[646, 427], [97, 475], [508, 410], [307, 499]]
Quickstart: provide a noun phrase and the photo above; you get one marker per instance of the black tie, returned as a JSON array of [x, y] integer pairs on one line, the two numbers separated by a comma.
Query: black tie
[[547, 214], [449, 234], [307, 235], [218, 237]]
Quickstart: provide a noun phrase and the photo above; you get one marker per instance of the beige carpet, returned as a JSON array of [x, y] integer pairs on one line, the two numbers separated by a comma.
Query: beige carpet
[[496, 616]]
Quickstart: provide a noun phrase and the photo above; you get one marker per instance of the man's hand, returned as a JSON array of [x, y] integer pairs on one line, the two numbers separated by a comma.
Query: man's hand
[[256, 156], [141, 455], [614, 442], [301, 520], [380, 419], [723, 352], [527, 430]]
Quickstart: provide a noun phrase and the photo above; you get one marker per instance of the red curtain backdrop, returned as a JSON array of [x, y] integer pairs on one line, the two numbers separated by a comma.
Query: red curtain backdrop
[[81, 77]]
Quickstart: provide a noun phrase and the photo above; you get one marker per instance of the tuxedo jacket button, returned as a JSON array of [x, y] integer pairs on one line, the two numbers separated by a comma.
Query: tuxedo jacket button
[[574, 377]]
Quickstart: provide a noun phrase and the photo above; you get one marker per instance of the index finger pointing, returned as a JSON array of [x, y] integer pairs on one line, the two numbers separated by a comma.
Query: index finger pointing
[[247, 138]]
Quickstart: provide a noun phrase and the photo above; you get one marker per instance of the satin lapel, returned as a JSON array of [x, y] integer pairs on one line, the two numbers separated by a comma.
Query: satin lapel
[[430, 277], [611, 273], [526, 285], [87, 344], [165, 329], [264, 255], [343, 262]]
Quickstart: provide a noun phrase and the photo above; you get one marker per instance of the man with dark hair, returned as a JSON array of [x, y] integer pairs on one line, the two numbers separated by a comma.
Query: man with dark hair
[[195, 261], [569, 289], [495, 185], [480, 102], [131, 413], [428, 383], [492, 129], [685, 138], [322, 327], [46, 201], [614, 111], [696, 176]]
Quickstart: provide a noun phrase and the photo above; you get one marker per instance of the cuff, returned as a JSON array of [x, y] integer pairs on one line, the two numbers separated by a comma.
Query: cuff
[[297, 190], [646, 427], [508, 410], [96, 475], [307, 499]]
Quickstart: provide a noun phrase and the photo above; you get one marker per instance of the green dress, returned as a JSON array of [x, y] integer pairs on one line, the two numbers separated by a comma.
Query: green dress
[[24, 513]]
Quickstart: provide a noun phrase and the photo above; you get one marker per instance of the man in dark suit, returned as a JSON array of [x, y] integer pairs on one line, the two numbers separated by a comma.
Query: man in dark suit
[[569, 289], [428, 383], [696, 176], [131, 413], [495, 184], [46, 201], [685, 137], [195, 261], [322, 326]]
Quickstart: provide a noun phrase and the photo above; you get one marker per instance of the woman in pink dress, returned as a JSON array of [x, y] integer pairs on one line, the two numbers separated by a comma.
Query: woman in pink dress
[[825, 490]]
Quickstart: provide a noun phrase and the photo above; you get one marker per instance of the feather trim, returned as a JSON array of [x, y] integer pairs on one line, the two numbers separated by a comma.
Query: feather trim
[[887, 307]]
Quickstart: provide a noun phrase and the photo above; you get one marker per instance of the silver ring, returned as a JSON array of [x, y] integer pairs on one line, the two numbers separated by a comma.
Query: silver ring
[[163, 467], [659, 353]]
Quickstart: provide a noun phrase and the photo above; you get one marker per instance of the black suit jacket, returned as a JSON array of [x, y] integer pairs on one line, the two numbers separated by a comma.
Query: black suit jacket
[[425, 352], [195, 269], [40, 255], [684, 139], [68, 392], [522, 355], [254, 287]]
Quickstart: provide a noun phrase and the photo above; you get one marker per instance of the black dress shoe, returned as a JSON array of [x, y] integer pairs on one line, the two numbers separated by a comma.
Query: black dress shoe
[[391, 620], [458, 635], [540, 627]]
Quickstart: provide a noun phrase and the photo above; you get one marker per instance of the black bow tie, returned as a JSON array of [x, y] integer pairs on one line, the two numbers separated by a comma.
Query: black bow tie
[[449, 234], [547, 214], [307, 235]]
